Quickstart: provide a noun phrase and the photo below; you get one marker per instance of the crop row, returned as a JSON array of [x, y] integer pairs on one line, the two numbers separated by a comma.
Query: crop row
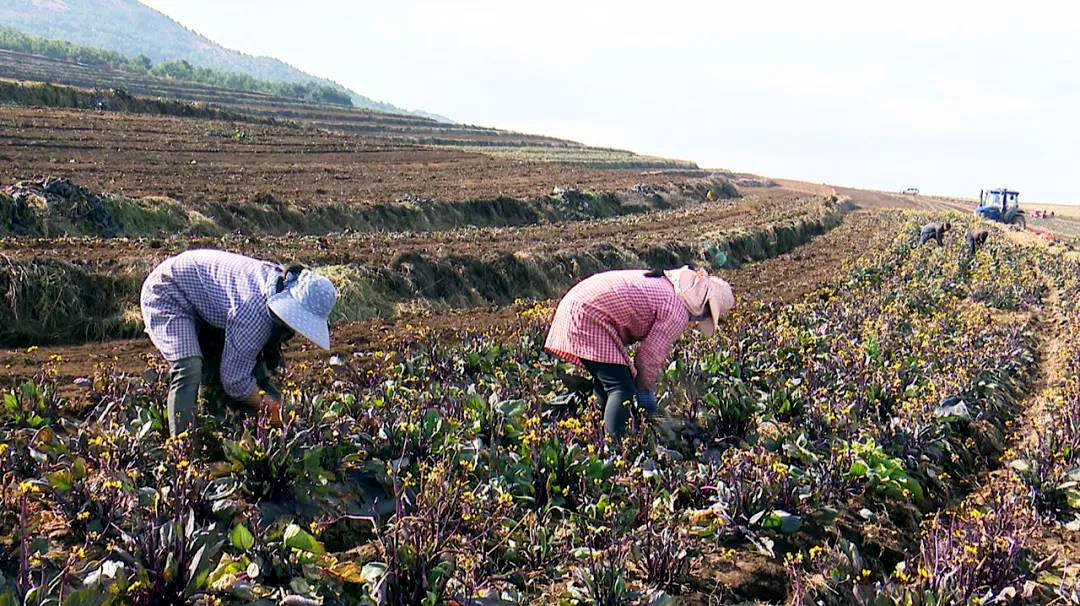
[[812, 441]]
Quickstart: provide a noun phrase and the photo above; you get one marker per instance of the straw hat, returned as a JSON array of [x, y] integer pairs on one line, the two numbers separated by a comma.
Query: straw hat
[[305, 306], [697, 289]]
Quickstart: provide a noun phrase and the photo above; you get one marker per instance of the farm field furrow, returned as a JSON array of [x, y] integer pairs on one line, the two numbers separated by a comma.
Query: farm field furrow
[[71, 290], [191, 159]]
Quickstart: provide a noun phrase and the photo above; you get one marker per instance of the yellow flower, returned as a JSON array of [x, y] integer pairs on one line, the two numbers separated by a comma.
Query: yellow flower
[[505, 499], [29, 488]]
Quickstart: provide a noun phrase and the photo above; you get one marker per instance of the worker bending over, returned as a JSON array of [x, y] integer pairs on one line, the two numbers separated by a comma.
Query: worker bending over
[[934, 231], [976, 238], [604, 314], [248, 307]]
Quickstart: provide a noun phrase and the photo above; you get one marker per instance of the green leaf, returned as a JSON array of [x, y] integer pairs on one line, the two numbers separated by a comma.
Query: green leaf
[[223, 576], [859, 469], [432, 422], [199, 569], [242, 538], [88, 596], [298, 538], [62, 480], [789, 524], [373, 571], [782, 521], [1072, 497]]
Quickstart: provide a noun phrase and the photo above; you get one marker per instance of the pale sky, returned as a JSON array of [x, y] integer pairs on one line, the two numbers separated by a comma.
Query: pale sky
[[946, 96]]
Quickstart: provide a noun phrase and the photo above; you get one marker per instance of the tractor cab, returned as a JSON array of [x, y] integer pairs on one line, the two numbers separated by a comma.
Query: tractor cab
[[1001, 205]]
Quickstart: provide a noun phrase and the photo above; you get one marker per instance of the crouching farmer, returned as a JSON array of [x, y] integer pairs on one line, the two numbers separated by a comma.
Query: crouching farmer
[[252, 306], [933, 231], [975, 239], [602, 315]]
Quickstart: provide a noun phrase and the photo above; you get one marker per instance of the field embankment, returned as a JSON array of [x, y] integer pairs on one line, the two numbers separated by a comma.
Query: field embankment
[[52, 208], [377, 271], [204, 163]]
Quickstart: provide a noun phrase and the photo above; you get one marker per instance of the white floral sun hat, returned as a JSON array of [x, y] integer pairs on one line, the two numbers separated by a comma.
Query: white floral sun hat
[[305, 306]]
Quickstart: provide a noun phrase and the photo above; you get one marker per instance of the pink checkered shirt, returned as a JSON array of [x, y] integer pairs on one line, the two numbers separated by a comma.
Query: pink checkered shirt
[[605, 313]]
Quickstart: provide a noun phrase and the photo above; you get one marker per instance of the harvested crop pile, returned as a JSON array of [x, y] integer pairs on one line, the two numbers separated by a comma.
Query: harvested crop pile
[[48, 300], [66, 206]]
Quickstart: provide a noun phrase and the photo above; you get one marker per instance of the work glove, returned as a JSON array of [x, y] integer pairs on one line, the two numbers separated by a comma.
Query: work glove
[[647, 399]]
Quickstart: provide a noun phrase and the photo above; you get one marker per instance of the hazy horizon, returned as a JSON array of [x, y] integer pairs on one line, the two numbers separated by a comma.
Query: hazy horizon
[[946, 98]]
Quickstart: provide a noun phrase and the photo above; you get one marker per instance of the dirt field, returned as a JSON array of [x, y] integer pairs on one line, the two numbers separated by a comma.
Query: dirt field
[[395, 129], [199, 160]]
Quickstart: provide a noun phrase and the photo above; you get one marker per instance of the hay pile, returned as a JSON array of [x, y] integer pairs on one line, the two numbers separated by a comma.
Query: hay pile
[[41, 205], [45, 301]]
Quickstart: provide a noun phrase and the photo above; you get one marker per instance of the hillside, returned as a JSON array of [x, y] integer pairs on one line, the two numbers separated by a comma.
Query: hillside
[[132, 28]]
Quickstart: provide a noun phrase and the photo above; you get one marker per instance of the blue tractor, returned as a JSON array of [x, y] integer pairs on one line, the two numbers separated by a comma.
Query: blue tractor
[[1001, 205]]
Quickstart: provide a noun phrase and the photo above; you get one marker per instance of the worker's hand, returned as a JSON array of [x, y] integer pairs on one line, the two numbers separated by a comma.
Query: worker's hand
[[266, 406], [270, 409], [647, 399]]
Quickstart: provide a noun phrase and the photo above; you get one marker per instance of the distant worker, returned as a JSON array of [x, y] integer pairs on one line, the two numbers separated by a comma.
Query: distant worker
[[243, 307], [605, 313], [976, 238], [934, 231]]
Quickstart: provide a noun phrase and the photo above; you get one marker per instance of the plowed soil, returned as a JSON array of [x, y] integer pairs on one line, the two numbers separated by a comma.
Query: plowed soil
[[199, 160]]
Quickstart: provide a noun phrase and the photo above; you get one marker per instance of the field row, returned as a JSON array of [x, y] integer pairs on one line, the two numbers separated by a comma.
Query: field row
[[77, 289], [206, 161]]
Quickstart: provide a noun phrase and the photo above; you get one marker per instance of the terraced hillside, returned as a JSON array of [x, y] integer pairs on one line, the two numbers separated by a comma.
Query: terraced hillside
[[391, 128]]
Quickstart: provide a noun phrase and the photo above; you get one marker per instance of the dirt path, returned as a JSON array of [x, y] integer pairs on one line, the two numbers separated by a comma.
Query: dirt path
[[1049, 539]]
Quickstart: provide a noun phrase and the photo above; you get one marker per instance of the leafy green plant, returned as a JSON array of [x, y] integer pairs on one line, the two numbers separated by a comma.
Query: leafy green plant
[[886, 475]]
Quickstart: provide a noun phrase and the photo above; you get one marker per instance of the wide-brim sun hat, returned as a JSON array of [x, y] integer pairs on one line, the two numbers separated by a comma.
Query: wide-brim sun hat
[[700, 291], [305, 306], [720, 300]]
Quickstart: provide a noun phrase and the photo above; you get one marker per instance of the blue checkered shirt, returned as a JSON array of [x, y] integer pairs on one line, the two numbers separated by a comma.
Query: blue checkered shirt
[[225, 290]]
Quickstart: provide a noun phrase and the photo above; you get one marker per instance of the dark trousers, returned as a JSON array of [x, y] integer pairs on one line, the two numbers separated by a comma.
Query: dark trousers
[[614, 385], [185, 377]]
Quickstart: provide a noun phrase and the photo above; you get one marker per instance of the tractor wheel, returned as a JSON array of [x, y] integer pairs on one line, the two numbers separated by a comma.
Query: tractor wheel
[[1020, 221]]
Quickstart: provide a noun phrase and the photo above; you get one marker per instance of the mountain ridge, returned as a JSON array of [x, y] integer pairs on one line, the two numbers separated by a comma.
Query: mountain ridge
[[132, 28]]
